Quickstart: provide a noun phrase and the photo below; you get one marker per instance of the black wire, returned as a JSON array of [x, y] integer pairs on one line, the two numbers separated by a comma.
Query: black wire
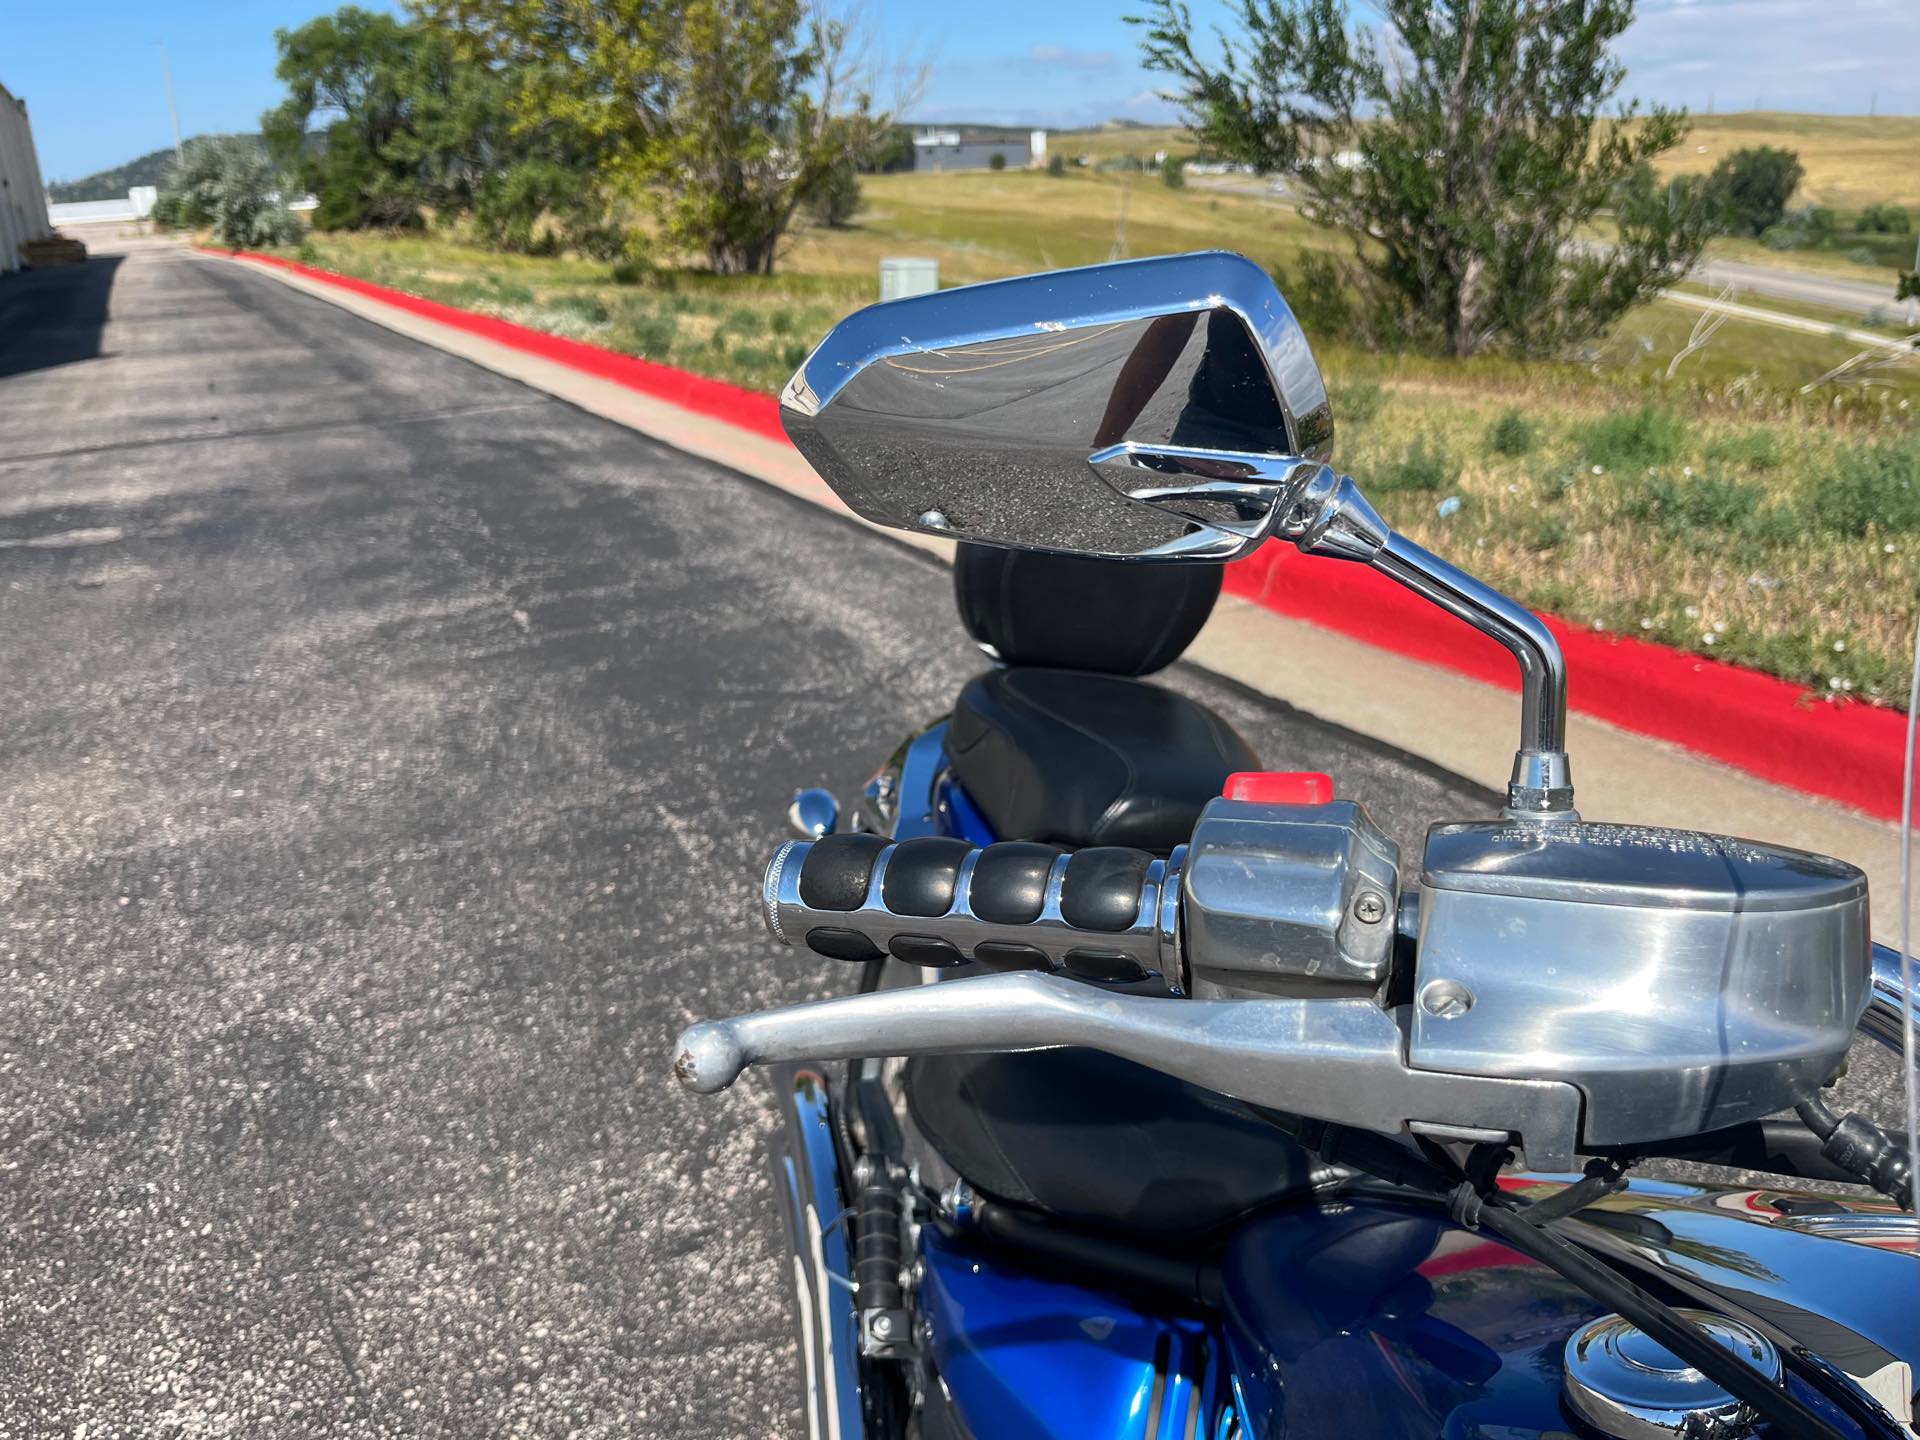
[[1817, 1117], [1480, 1204], [1683, 1337]]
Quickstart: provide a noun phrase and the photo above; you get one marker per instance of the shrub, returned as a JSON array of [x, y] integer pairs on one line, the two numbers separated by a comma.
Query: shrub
[[1318, 295], [1749, 449], [996, 161], [835, 198], [1512, 434], [226, 183], [633, 271], [1418, 467], [1173, 173], [1869, 487], [649, 334], [1687, 504], [1650, 435], [1056, 166], [590, 308], [1861, 255], [1885, 220]]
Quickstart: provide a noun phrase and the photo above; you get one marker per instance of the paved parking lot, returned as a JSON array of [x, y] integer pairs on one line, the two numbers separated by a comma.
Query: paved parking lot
[[389, 756]]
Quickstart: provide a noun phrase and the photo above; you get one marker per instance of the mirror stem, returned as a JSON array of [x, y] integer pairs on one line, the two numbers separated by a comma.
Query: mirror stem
[[1542, 784], [1329, 516]]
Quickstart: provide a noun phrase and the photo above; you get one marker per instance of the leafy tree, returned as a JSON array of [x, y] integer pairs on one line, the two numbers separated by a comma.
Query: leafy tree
[[356, 65], [836, 198], [227, 183], [892, 151], [1463, 154], [725, 115], [1753, 187]]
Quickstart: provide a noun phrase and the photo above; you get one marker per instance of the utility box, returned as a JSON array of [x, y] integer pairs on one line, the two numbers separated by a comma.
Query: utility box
[[902, 277]]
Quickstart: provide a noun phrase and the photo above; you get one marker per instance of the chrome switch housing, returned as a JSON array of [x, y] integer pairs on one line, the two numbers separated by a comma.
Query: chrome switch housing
[[1681, 981], [1288, 900]]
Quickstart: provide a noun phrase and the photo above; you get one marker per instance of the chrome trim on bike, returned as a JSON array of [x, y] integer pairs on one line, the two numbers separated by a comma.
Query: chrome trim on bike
[[1885, 1015], [1339, 1060], [807, 1175]]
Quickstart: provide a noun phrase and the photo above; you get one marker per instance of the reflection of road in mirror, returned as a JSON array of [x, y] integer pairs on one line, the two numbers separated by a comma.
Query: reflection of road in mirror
[[995, 436]]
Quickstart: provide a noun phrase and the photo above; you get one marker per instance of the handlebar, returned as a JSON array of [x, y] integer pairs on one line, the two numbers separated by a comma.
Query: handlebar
[[1104, 913]]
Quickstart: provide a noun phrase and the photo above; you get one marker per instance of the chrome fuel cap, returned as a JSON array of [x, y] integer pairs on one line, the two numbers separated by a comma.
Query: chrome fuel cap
[[1627, 1385]]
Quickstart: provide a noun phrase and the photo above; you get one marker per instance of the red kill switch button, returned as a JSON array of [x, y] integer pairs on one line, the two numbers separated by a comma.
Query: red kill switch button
[[1280, 787]]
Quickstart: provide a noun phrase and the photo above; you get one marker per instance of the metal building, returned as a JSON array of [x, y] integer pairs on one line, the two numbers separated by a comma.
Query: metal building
[[23, 196], [937, 149]]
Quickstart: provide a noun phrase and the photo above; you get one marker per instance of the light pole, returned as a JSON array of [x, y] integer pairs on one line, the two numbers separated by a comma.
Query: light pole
[[166, 74]]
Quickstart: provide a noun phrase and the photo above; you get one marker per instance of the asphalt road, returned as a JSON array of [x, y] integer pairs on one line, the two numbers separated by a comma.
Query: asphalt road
[[390, 753], [1854, 296]]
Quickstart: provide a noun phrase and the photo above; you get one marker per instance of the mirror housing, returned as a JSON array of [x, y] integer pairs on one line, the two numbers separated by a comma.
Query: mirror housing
[[1146, 409], [1162, 409]]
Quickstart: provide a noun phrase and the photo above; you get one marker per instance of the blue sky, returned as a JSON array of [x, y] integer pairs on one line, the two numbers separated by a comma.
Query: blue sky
[[90, 69]]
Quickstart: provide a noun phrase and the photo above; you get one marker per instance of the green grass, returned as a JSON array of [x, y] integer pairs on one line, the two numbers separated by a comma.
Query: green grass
[[1720, 510]]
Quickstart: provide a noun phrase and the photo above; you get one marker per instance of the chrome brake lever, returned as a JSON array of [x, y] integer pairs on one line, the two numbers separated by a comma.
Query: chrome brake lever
[[1339, 1059]]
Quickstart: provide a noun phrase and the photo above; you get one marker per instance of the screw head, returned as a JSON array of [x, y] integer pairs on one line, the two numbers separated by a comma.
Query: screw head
[[1370, 908], [1446, 999], [882, 1326], [933, 520]]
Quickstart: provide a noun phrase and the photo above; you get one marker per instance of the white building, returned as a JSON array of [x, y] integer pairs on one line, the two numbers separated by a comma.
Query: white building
[[23, 195]]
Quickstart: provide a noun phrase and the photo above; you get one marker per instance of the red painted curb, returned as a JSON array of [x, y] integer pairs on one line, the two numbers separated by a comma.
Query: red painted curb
[[1849, 751]]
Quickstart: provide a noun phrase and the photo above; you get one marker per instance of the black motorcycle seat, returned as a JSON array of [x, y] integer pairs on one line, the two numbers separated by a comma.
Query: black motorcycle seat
[[1100, 1142], [1077, 758]]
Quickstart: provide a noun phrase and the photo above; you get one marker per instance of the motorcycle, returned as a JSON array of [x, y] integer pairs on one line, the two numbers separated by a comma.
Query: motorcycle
[[1172, 1101]]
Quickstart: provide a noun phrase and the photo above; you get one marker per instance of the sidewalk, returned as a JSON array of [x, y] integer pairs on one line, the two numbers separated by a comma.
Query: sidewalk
[[1457, 723]]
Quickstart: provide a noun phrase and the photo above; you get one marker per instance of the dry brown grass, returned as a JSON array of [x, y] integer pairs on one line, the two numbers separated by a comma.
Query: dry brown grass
[[1851, 160]]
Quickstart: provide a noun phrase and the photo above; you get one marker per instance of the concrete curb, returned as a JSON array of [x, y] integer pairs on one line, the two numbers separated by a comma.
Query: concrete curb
[[1452, 719]]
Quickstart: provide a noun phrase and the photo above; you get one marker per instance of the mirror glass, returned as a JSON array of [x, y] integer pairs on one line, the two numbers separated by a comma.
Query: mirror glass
[[974, 412]]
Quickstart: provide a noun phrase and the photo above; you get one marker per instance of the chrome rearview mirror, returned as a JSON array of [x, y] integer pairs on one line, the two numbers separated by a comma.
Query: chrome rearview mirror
[[1164, 409], [1148, 409]]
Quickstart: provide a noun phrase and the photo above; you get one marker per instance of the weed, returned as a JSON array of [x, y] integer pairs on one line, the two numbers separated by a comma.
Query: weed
[[590, 308], [1686, 505], [1651, 435], [1512, 434], [1869, 487], [649, 335], [1549, 533], [1751, 449], [1418, 467], [1357, 402]]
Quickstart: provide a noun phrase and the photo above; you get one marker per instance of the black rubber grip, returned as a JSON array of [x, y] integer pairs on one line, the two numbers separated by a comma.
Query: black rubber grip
[[922, 875], [1102, 886], [838, 943], [1009, 885], [838, 869]]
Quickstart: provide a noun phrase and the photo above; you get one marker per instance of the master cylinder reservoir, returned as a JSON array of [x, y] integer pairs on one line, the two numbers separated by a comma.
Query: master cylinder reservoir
[[1682, 981]]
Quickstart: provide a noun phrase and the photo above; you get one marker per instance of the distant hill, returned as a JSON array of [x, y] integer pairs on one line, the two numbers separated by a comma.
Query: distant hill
[[149, 169]]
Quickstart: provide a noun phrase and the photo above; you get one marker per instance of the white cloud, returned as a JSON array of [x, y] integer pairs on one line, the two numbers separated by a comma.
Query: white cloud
[[1072, 59]]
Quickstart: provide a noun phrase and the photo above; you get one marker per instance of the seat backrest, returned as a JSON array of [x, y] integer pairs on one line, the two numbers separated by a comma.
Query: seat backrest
[[1071, 613]]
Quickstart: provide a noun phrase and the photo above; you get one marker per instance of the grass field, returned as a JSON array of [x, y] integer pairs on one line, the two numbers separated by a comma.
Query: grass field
[[1850, 160], [1719, 510]]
